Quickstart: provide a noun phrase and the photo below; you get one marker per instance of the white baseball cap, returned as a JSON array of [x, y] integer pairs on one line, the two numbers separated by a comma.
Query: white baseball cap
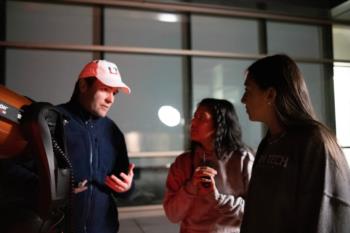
[[105, 71]]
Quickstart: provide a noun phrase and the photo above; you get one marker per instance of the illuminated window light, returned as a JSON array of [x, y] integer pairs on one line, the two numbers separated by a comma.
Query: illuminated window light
[[169, 115]]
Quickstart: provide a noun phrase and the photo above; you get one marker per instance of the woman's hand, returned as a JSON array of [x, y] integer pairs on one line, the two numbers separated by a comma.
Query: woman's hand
[[123, 184], [203, 179]]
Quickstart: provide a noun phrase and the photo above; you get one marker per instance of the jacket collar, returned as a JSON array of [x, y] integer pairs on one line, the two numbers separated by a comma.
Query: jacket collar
[[81, 112]]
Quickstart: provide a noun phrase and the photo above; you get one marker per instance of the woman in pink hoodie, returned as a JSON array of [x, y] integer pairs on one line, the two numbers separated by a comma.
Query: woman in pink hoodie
[[206, 187]]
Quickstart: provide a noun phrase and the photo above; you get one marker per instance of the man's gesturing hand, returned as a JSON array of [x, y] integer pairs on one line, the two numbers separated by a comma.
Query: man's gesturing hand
[[123, 184]]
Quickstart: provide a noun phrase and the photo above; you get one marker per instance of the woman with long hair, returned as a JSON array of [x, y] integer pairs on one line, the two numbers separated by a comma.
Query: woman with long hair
[[300, 180], [206, 186]]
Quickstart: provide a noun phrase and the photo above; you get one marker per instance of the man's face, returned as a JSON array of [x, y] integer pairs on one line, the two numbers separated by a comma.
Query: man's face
[[98, 98]]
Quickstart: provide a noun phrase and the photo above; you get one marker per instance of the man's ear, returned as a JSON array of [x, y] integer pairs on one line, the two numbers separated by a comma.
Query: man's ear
[[82, 86]]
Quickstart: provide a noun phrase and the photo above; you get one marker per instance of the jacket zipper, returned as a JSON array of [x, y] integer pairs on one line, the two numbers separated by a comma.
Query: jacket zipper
[[90, 189]]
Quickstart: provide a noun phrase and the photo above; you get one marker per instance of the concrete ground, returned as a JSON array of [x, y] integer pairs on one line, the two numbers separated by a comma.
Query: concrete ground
[[154, 224]]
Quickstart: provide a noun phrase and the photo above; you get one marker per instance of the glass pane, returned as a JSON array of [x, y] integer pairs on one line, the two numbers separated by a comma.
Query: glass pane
[[54, 23], [224, 34], [44, 75], [150, 176], [342, 103], [315, 81], [224, 79], [143, 28], [155, 81], [341, 41], [347, 154], [295, 40]]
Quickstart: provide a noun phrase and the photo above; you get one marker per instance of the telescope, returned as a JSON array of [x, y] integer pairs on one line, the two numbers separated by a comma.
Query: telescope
[[33, 133]]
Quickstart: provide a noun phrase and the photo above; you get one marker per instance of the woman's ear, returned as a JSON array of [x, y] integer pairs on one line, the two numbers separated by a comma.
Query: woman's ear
[[271, 95]]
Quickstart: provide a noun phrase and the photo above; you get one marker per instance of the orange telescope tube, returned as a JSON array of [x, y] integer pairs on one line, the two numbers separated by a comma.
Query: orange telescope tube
[[12, 142]]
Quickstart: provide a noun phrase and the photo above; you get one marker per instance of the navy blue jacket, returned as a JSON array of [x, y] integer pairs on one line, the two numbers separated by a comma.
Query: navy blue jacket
[[96, 148]]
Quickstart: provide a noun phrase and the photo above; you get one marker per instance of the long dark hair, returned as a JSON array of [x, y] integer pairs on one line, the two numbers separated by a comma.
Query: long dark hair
[[292, 103], [228, 131]]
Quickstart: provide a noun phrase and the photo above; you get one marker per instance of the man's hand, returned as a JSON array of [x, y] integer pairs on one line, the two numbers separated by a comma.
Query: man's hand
[[121, 185], [81, 187]]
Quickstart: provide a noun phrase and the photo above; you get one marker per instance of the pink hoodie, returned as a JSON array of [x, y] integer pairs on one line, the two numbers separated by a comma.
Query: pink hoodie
[[219, 212]]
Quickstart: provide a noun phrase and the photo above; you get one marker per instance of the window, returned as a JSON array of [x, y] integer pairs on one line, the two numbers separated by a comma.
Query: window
[[341, 41], [224, 78], [48, 23], [296, 40], [315, 79], [143, 28], [342, 101], [224, 34], [155, 82], [155, 116], [47, 76]]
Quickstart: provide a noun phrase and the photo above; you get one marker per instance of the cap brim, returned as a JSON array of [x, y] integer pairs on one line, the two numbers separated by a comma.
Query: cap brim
[[120, 85], [125, 89]]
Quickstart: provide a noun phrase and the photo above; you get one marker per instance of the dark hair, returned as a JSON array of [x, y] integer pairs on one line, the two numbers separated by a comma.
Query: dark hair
[[292, 104], [228, 131], [76, 92]]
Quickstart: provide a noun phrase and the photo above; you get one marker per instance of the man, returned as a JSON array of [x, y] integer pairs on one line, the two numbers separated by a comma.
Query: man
[[97, 149]]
